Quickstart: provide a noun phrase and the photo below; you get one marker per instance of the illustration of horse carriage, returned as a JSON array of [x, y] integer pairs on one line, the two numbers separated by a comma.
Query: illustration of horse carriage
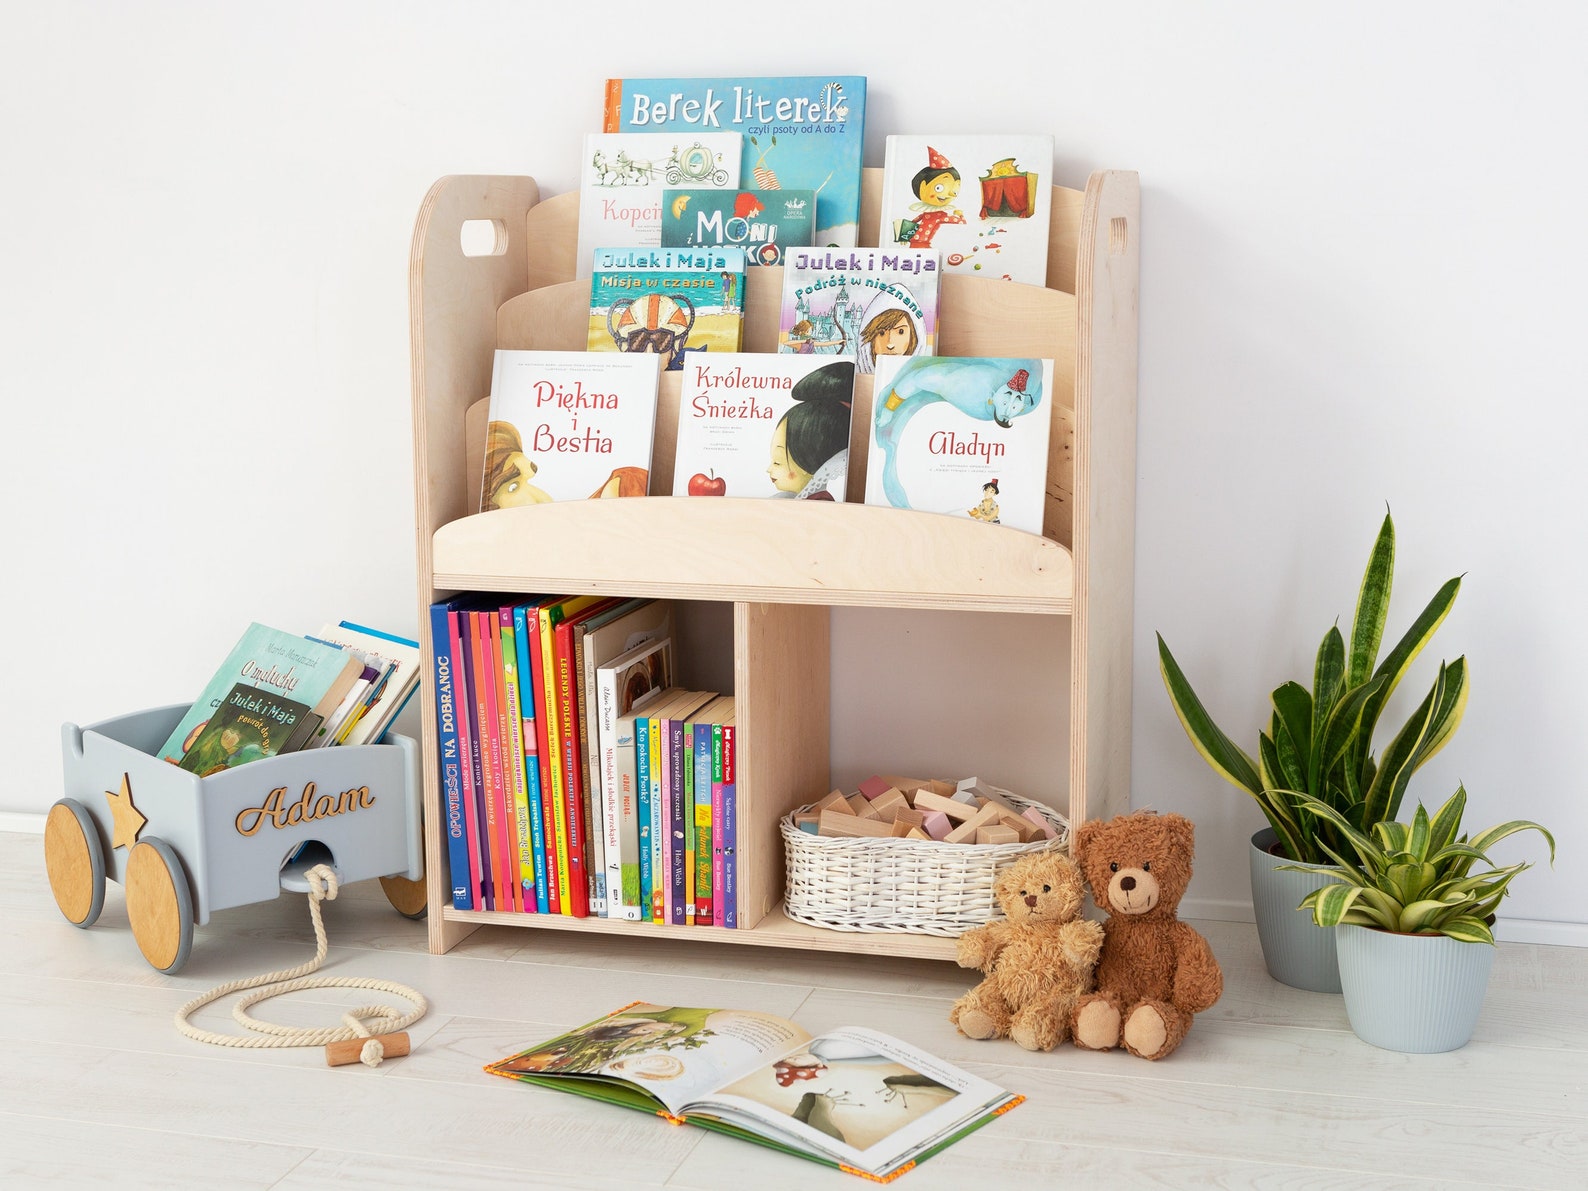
[[696, 164], [236, 837]]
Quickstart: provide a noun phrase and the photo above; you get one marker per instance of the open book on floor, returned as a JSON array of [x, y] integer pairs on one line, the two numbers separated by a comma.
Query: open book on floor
[[851, 1098]]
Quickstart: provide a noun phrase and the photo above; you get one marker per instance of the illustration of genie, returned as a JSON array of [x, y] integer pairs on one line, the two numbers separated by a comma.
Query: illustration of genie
[[996, 390]]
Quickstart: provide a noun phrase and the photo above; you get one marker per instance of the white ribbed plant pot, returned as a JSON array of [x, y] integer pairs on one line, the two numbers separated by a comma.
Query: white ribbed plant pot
[[1298, 952], [1420, 994]]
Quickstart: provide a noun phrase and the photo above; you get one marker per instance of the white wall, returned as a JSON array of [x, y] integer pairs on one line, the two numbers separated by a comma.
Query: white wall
[[1361, 252]]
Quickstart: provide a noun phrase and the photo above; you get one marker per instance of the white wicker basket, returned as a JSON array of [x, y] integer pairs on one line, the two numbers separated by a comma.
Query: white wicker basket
[[882, 884]]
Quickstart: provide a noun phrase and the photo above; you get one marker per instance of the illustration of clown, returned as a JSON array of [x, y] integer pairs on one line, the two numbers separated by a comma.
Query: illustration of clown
[[936, 186]]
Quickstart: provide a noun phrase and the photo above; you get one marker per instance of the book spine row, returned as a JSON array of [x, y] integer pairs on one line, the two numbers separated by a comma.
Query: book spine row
[[553, 803]]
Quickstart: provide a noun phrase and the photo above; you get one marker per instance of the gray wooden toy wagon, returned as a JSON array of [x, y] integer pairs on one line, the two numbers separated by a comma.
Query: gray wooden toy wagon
[[184, 846]]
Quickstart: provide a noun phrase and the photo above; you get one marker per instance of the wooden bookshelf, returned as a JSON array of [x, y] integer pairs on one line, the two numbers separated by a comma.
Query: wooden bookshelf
[[782, 566]]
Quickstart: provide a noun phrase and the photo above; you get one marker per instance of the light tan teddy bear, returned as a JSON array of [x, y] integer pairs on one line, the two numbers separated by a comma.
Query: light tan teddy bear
[[1038, 963]]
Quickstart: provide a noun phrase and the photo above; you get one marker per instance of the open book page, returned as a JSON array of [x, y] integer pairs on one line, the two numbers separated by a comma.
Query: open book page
[[860, 1097], [674, 1055]]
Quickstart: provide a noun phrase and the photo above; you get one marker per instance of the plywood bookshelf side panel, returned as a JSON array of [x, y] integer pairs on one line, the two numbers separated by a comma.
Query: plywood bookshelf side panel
[[782, 682], [1107, 279], [452, 303]]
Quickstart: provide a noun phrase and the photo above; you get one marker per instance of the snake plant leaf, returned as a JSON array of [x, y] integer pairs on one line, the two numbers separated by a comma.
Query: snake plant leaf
[[1344, 724], [1291, 765], [1410, 882], [1218, 750], [1328, 684], [1278, 807], [1493, 835], [1372, 605], [1293, 706], [1466, 929], [1417, 740], [1453, 706], [1418, 836], [1447, 821], [1421, 916], [1392, 835], [1329, 904]]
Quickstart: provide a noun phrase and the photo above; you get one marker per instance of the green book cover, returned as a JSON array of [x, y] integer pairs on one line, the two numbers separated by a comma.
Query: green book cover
[[249, 724], [762, 222]]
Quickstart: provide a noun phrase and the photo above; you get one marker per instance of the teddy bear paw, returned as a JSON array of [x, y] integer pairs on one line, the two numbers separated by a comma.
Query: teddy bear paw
[[1097, 1026], [1146, 1032], [976, 1023], [1036, 1033]]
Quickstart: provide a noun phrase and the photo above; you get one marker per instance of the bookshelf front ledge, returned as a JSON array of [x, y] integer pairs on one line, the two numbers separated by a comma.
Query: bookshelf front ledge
[[757, 551], [774, 930]]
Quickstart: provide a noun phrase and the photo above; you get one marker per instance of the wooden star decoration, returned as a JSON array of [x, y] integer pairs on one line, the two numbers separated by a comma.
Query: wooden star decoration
[[129, 819]]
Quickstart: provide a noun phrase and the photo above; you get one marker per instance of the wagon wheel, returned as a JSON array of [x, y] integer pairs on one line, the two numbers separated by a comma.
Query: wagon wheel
[[159, 904], [407, 897], [75, 862]]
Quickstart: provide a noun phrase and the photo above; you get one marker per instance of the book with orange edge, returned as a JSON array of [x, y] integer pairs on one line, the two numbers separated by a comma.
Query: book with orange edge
[[850, 1098]]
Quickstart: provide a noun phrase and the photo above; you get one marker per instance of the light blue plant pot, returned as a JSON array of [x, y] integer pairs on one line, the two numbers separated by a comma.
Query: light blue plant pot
[[1420, 994], [1298, 952]]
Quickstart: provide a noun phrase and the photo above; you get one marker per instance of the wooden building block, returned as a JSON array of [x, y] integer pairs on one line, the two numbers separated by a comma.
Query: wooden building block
[[874, 786], [936, 824], [858, 804], [1035, 816], [913, 818], [925, 800], [997, 833], [900, 830], [835, 823], [888, 805], [811, 823], [917, 833], [966, 832], [837, 801], [908, 784], [940, 787]]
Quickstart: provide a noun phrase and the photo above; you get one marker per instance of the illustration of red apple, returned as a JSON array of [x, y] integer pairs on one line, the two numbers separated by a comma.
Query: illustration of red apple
[[701, 484]]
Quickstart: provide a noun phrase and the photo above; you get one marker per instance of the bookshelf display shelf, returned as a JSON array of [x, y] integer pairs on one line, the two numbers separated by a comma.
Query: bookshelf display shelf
[[782, 565]]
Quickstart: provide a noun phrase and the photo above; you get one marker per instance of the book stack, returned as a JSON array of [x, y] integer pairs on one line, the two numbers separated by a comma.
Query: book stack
[[578, 779]]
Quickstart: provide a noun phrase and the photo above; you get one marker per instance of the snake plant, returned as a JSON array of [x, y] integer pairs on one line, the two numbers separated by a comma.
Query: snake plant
[[1417, 879], [1320, 742]]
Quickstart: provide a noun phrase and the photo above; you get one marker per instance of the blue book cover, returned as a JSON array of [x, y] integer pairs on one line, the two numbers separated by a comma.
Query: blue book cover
[[451, 775], [762, 222], [664, 302], [801, 132], [465, 681], [526, 695]]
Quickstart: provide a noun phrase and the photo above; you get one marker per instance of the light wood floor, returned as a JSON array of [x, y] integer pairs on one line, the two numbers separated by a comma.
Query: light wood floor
[[1271, 1090]]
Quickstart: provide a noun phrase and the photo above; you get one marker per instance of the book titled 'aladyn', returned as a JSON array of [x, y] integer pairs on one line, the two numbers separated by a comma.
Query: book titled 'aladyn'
[[568, 426], [864, 303], [963, 436], [667, 302], [984, 201], [852, 1098], [800, 132], [625, 175], [765, 223], [764, 425]]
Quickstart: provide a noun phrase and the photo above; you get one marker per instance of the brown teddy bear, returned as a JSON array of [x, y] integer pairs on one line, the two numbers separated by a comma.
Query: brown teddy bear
[[1156, 972], [1038, 963]]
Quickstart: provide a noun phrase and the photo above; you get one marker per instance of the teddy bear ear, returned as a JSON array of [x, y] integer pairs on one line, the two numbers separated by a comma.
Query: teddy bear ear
[[1181, 830], [1081, 839]]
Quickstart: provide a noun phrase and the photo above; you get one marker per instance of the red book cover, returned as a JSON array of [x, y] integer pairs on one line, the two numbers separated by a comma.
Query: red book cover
[[491, 755], [537, 667]]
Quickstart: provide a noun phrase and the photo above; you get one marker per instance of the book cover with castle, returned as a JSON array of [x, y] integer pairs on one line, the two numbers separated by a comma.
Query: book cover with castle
[[804, 132], [765, 223], [983, 201], [625, 175], [864, 303], [667, 302], [568, 425], [762, 425], [965, 436]]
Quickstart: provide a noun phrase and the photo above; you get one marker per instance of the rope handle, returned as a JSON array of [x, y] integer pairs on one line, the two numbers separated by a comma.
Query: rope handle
[[371, 1048]]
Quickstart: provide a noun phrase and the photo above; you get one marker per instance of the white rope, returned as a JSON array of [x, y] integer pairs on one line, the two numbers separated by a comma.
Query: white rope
[[322, 887]]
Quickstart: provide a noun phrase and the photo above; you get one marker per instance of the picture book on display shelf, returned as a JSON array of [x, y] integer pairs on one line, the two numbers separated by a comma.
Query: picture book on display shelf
[[567, 425], [803, 133], [851, 1098], [765, 223], [864, 303], [965, 436], [764, 425], [983, 201], [667, 302], [280, 664], [623, 178]]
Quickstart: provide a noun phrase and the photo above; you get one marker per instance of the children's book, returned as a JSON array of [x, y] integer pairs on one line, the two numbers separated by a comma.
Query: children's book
[[730, 824], [249, 724], [567, 716], [965, 436], [623, 687], [514, 679], [852, 1098], [568, 426], [474, 750], [565, 827], [283, 664], [765, 223], [398, 685], [624, 175], [800, 132], [764, 425], [667, 302], [983, 201], [449, 755], [864, 303], [605, 635], [532, 732], [707, 726], [661, 719]]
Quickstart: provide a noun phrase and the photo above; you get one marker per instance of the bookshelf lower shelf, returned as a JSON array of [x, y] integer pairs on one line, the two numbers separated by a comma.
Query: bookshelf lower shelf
[[776, 929]]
